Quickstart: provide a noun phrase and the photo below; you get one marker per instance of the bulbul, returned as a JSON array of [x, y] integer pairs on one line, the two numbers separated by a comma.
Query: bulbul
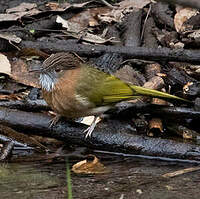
[[75, 89]]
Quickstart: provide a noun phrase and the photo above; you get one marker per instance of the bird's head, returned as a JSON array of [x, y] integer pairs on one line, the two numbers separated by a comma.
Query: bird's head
[[55, 66]]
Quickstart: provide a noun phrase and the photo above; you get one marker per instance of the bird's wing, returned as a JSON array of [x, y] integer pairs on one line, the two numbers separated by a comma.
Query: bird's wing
[[110, 90], [116, 91], [103, 89]]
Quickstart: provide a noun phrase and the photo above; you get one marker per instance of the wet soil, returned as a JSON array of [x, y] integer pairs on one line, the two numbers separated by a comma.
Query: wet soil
[[128, 178]]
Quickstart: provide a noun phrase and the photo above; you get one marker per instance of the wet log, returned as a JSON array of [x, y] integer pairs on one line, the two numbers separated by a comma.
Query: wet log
[[112, 138], [27, 105]]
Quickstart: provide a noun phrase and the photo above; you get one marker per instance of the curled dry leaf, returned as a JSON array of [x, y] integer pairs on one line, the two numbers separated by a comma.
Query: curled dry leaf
[[86, 167], [182, 16], [155, 124]]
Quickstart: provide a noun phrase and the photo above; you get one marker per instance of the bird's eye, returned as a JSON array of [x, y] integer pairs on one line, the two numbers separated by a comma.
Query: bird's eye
[[57, 70]]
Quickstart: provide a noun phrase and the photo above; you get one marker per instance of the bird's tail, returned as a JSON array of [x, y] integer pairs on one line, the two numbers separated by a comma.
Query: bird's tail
[[157, 94]]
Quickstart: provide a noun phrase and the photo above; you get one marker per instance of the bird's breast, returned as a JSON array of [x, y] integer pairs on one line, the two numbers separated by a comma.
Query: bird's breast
[[64, 99]]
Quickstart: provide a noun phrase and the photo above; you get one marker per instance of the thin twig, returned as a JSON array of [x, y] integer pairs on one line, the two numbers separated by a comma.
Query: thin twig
[[180, 172], [142, 34], [108, 4]]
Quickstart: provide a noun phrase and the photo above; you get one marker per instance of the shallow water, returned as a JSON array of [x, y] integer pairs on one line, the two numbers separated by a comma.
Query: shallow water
[[129, 177]]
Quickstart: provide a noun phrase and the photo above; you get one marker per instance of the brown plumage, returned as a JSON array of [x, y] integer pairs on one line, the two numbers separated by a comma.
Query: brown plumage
[[74, 89]]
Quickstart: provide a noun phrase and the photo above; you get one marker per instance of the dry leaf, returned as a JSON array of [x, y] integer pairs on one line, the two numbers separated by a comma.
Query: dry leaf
[[9, 17], [195, 35], [70, 26], [10, 37], [21, 74], [53, 6], [64, 6], [155, 125], [24, 9], [182, 16], [5, 66], [124, 7], [136, 3], [86, 167], [89, 17], [29, 9], [76, 30]]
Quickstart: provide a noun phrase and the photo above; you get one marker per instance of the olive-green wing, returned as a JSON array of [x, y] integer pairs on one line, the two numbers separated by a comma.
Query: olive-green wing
[[116, 91], [103, 89]]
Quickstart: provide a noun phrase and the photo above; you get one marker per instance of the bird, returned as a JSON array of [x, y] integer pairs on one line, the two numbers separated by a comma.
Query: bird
[[74, 89]]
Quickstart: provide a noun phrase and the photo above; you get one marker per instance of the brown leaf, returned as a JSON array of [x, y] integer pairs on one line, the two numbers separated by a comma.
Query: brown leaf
[[86, 167], [182, 16], [155, 125], [20, 73]]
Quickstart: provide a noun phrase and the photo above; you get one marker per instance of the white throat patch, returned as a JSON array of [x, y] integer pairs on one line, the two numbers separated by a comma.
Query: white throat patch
[[47, 81]]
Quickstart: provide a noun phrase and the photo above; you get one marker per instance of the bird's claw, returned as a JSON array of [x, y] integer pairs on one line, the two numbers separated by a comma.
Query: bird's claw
[[90, 129], [54, 120]]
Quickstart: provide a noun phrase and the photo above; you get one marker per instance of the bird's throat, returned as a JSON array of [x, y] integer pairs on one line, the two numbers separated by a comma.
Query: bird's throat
[[47, 81]]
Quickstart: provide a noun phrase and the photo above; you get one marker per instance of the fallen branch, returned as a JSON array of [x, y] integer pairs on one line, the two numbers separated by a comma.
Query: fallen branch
[[129, 110], [114, 138], [158, 54]]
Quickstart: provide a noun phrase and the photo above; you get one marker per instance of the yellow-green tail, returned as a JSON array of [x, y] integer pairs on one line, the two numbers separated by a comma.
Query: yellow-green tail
[[154, 93]]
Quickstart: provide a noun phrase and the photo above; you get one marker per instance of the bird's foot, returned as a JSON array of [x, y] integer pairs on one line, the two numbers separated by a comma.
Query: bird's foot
[[89, 131], [91, 128], [54, 120]]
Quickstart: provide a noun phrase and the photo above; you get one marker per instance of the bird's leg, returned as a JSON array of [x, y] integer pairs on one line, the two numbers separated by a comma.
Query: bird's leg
[[91, 128], [54, 120]]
